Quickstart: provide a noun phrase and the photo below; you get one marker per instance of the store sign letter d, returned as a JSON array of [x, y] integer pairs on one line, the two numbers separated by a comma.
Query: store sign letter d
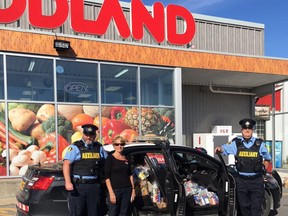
[[175, 12]]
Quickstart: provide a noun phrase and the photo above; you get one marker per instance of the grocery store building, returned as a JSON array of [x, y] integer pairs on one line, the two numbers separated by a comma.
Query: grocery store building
[[179, 75]]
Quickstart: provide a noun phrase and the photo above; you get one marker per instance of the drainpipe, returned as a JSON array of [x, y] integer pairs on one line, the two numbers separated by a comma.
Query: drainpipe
[[229, 92]]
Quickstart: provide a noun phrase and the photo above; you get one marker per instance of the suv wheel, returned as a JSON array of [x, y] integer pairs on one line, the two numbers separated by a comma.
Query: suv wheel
[[267, 204]]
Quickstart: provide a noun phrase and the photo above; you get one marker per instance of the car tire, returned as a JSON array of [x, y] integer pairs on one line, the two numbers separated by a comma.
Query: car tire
[[266, 204]]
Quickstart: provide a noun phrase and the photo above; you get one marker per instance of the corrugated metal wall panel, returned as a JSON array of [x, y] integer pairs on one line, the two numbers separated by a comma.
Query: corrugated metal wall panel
[[225, 38], [217, 41], [259, 42], [251, 42], [199, 99], [231, 40], [244, 40], [200, 43], [209, 39], [196, 37], [238, 40], [210, 35]]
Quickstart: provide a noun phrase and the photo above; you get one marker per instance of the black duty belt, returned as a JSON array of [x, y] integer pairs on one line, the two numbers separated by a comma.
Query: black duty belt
[[252, 177], [85, 181]]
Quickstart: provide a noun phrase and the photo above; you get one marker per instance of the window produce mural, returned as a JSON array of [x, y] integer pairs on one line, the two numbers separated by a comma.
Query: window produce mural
[[16, 143], [3, 145], [40, 133]]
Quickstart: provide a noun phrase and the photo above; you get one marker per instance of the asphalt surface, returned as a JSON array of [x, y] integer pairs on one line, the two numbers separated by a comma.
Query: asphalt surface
[[282, 211], [8, 208]]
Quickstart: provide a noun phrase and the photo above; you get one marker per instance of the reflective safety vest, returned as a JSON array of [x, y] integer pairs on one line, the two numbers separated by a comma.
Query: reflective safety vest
[[90, 162], [248, 160]]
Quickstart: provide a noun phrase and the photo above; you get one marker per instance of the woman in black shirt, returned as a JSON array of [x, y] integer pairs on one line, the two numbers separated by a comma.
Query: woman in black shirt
[[119, 180]]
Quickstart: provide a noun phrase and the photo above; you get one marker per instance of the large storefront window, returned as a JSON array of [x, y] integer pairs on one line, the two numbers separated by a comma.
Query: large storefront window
[[156, 86], [30, 79], [118, 84], [76, 82], [1, 78]]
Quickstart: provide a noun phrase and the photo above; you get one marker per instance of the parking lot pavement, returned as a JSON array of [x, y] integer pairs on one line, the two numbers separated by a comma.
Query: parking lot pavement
[[8, 206], [283, 173], [10, 209], [7, 201], [7, 210]]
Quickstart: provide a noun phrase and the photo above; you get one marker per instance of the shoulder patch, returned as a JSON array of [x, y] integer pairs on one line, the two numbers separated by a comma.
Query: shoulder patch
[[70, 149], [258, 142], [233, 140]]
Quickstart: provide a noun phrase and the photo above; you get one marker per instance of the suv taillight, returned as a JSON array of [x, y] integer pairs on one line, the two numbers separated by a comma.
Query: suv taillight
[[23, 207], [40, 183]]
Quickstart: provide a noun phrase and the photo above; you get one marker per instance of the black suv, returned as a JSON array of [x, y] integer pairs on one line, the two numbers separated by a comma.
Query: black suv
[[169, 180]]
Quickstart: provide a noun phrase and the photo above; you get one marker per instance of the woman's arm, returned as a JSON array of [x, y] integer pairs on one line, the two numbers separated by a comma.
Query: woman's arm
[[133, 188], [110, 190], [107, 179]]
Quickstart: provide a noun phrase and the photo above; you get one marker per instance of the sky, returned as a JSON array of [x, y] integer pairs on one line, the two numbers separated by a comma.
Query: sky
[[273, 14]]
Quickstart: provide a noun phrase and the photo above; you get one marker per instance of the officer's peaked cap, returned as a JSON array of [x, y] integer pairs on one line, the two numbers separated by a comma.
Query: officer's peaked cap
[[89, 129], [247, 123]]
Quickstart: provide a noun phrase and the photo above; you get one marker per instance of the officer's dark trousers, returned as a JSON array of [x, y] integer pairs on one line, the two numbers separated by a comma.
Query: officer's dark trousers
[[250, 195], [123, 197], [84, 200]]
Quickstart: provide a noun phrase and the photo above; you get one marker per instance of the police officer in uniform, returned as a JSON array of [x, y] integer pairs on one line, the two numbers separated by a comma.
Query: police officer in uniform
[[251, 160], [82, 167]]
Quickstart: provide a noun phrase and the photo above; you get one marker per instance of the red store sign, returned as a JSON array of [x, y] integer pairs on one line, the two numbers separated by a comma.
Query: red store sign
[[161, 23]]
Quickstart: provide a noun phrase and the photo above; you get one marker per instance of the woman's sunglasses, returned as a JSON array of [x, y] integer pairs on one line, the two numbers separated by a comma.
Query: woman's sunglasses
[[117, 144]]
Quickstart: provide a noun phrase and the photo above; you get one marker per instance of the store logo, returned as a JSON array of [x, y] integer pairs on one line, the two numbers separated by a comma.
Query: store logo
[[162, 23], [76, 88]]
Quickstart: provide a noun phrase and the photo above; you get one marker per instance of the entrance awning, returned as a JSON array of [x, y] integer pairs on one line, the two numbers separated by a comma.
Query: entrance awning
[[234, 79]]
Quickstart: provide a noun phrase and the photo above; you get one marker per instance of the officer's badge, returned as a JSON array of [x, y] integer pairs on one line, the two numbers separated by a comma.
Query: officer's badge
[[247, 123]]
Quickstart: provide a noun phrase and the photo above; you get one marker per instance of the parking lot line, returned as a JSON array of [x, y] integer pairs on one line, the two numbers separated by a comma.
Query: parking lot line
[[7, 211]]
